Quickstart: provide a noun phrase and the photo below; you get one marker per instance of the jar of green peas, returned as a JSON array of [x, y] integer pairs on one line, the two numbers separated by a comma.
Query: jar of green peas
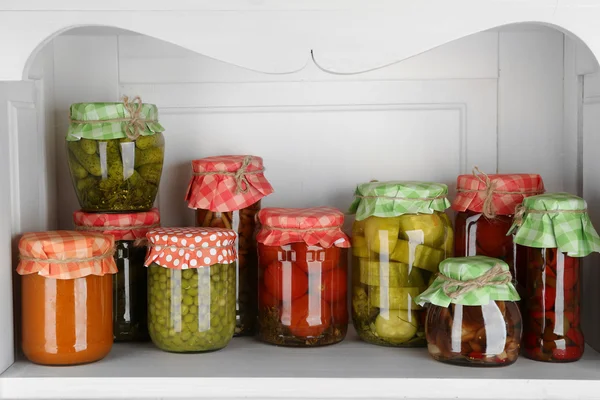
[[191, 288]]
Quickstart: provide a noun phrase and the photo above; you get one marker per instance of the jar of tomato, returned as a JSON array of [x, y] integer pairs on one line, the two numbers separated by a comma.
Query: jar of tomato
[[115, 153], [302, 276], [399, 237], [556, 231], [130, 283], [226, 192], [66, 296], [191, 288], [472, 318], [486, 205]]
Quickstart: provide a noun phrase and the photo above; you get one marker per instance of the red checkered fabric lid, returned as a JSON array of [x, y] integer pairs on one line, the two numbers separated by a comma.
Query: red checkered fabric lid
[[66, 254], [129, 226], [497, 194], [227, 183], [183, 248], [316, 225]]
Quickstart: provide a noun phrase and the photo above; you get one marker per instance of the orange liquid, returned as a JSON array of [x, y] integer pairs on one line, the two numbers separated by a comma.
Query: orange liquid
[[66, 321]]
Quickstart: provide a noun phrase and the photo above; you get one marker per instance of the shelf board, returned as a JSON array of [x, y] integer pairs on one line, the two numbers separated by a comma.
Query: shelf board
[[250, 369]]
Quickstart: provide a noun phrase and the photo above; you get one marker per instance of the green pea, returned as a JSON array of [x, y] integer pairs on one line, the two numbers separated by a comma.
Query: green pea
[[188, 273]]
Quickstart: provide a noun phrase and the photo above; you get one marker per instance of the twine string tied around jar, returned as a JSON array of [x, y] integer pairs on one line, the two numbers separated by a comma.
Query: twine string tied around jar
[[521, 210], [494, 276], [241, 181]]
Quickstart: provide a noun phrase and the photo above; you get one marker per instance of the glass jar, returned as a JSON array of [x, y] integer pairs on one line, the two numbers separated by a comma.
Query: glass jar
[[130, 283], [66, 307], [553, 331], [473, 318], [302, 286], [486, 205], [555, 230], [222, 201], [115, 166], [191, 288], [397, 246]]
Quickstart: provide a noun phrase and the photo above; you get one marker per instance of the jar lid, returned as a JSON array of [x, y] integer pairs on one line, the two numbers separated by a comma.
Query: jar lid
[[556, 220], [66, 254], [227, 183], [314, 226], [103, 121], [496, 194], [127, 226], [183, 248], [470, 281], [395, 198]]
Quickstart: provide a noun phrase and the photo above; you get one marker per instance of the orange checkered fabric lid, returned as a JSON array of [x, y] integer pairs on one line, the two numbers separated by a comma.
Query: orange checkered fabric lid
[[128, 226], [314, 226], [183, 248], [66, 254], [497, 194], [227, 183]]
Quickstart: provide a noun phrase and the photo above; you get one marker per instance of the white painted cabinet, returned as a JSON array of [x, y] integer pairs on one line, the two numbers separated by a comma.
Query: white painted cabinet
[[330, 93]]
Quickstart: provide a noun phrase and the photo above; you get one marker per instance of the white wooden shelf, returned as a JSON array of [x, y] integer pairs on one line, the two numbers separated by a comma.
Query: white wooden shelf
[[250, 369]]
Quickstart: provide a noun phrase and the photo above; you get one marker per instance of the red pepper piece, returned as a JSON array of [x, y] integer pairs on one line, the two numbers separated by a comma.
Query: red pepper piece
[[576, 336], [570, 353], [476, 355]]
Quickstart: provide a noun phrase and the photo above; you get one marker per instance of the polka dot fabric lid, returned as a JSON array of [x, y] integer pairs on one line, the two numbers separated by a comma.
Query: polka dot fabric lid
[[184, 248]]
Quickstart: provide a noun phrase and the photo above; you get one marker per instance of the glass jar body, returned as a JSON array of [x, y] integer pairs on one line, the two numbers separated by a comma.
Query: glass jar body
[[477, 235], [116, 175], [66, 321], [302, 295], [552, 312], [191, 310], [130, 293], [394, 260], [244, 223], [487, 335]]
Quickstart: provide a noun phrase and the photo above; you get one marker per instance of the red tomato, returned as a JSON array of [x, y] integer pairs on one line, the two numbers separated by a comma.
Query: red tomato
[[339, 313], [334, 285], [285, 280], [570, 353], [306, 321], [269, 254], [571, 278], [531, 340], [576, 336], [545, 297], [266, 299], [309, 257], [491, 237]]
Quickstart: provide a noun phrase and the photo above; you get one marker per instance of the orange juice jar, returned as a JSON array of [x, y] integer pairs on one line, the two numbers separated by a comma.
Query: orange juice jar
[[66, 297]]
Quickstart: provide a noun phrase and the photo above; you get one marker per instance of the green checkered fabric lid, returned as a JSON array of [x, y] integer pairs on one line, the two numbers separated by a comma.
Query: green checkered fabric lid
[[103, 121], [395, 198], [555, 220], [470, 281]]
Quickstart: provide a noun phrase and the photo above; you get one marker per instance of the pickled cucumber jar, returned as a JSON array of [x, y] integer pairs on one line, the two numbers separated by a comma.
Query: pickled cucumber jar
[[486, 205], [66, 296], [130, 283], [226, 192], [399, 237], [302, 276], [556, 231], [472, 318], [191, 288], [115, 153]]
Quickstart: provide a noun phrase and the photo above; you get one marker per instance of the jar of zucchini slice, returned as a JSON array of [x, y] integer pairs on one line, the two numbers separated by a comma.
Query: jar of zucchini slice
[[226, 192], [399, 237], [191, 288], [115, 153], [129, 283]]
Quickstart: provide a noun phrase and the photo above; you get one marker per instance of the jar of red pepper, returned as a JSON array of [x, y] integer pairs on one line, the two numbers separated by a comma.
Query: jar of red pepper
[[556, 232], [302, 276], [486, 205]]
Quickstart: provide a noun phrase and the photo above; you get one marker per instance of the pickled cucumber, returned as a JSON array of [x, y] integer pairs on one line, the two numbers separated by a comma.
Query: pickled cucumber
[[111, 180], [382, 233], [359, 246], [389, 274], [191, 310], [397, 326], [395, 298], [145, 142], [430, 227], [423, 257]]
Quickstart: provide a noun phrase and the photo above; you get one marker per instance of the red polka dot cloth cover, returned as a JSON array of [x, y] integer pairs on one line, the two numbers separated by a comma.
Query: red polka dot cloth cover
[[122, 226], [66, 254], [314, 226], [183, 248], [227, 183]]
